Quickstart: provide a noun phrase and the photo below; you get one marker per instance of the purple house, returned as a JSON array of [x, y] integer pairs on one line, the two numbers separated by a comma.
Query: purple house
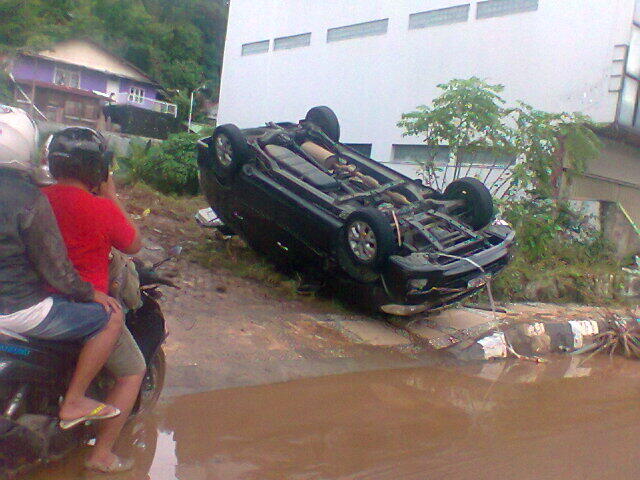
[[72, 82]]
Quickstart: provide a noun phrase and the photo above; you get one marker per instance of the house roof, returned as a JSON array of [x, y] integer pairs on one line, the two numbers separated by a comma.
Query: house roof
[[61, 88], [88, 54]]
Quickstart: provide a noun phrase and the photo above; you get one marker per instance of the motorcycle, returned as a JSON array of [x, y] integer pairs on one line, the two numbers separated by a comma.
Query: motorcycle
[[34, 375]]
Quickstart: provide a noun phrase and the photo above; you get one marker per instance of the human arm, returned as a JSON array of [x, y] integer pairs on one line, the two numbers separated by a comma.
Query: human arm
[[48, 254], [108, 190]]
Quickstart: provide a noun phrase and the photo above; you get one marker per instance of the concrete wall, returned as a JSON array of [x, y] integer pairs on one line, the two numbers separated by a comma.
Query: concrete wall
[[614, 177], [90, 80], [618, 229], [25, 68], [559, 57], [118, 143]]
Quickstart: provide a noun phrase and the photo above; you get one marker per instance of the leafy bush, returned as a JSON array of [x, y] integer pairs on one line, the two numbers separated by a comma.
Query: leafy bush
[[170, 167], [6, 92], [557, 256]]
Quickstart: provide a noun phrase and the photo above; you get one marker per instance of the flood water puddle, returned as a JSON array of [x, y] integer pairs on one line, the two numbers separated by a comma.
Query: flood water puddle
[[503, 420]]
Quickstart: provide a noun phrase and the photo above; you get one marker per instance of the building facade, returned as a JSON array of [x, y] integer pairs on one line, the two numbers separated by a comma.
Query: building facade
[[70, 84], [372, 60]]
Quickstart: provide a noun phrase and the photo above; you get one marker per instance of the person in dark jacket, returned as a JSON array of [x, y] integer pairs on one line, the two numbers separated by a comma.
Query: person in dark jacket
[[32, 256]]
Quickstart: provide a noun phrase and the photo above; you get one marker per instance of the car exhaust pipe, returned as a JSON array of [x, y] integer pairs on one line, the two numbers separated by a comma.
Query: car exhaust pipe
[[331, 161], [321, 155]]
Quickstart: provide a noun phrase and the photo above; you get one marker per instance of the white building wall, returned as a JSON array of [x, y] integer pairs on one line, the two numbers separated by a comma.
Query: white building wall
[[558, 58]]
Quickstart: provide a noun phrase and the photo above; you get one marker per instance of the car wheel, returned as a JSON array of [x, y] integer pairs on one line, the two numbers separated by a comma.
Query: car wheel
[[326, 120], [478, 203], [230, 151], [365, 243]]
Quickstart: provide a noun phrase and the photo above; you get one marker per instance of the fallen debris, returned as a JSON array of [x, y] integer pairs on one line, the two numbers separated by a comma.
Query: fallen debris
[[622, 334], [208, 218]]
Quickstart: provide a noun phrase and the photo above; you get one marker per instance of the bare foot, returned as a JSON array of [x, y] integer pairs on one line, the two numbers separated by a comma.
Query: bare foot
[[76, 408]]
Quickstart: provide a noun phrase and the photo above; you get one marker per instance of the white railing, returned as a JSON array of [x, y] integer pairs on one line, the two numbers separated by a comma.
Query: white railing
[[146, 103]]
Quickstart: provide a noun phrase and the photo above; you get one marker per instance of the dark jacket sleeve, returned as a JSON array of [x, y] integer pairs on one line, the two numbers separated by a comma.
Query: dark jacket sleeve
[[48, 253]]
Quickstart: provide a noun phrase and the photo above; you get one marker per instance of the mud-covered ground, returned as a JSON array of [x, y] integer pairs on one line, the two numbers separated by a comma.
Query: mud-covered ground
[[262, 384], [225, 330], [237, 324]]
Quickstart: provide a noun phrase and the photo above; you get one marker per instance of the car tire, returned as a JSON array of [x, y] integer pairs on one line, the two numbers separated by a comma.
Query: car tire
[[365, 242], [230, 151], [478, 201], [326, 120]]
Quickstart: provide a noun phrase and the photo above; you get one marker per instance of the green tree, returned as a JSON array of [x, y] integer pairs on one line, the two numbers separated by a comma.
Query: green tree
[[170, 167], [177, 43], [471, 116]]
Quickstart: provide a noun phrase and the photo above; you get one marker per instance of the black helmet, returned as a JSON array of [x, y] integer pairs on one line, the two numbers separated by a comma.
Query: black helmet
[[80, 153]]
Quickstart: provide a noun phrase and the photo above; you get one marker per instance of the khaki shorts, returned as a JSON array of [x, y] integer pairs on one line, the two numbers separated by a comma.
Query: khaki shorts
[[126, 358]]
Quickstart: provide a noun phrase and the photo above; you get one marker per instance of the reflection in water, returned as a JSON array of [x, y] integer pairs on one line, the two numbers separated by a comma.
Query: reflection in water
[[165, 460], [501, 420]]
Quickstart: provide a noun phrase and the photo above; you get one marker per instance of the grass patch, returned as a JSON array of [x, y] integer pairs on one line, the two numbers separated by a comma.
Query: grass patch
[[585, 272], [234, 255], [567, 272], [170, 219]]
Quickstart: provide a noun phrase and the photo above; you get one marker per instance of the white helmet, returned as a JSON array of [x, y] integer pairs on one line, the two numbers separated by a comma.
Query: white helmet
[[18, 138], [19, 145]]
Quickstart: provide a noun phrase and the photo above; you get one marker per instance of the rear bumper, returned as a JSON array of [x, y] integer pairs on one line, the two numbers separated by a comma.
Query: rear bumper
[[420, 279]]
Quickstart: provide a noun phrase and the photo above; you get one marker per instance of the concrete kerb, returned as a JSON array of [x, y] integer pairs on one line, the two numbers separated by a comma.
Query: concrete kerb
[[470, 334]]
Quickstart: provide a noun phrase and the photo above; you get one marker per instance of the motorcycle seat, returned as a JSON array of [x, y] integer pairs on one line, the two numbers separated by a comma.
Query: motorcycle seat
[[38, 344]]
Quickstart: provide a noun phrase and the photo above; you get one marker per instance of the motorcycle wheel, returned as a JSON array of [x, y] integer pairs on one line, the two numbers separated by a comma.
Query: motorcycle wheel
[[151, 384]]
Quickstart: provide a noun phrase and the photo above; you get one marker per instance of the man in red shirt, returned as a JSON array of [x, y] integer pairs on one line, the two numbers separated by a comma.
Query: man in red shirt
[[92, 221]]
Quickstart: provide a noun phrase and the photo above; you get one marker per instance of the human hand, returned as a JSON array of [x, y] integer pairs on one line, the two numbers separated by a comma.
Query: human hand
[[110, 304], [108, 189]]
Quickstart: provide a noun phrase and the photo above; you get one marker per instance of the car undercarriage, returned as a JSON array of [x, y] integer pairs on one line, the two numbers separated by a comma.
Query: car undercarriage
[[425, 248]]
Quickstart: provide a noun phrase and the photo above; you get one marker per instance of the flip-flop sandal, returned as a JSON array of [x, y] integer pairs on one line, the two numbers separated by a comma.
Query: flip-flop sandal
[[95, 414], [118, 465]]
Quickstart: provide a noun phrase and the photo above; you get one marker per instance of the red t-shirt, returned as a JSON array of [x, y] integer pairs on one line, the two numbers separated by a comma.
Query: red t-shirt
[[90, 226]]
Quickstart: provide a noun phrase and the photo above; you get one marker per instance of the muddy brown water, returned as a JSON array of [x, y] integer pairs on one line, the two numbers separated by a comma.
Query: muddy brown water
[[493, 421]]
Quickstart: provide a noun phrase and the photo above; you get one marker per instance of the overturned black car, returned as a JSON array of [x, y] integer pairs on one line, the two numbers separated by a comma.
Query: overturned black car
[[294, 193]]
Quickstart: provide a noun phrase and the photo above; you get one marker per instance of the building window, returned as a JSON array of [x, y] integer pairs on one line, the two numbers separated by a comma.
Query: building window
[[628, 102], [441, 16], [440, 156], [420, 154], [629, 113], [633, 57], [136, 94], [367, 29], [66, 78], [255, 47], [497, 8], [73, 109], [294, 41], [484, 158], [362, 148]]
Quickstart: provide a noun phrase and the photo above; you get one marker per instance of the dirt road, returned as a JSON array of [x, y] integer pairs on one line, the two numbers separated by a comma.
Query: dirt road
[[227, 331], [261, 385]]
